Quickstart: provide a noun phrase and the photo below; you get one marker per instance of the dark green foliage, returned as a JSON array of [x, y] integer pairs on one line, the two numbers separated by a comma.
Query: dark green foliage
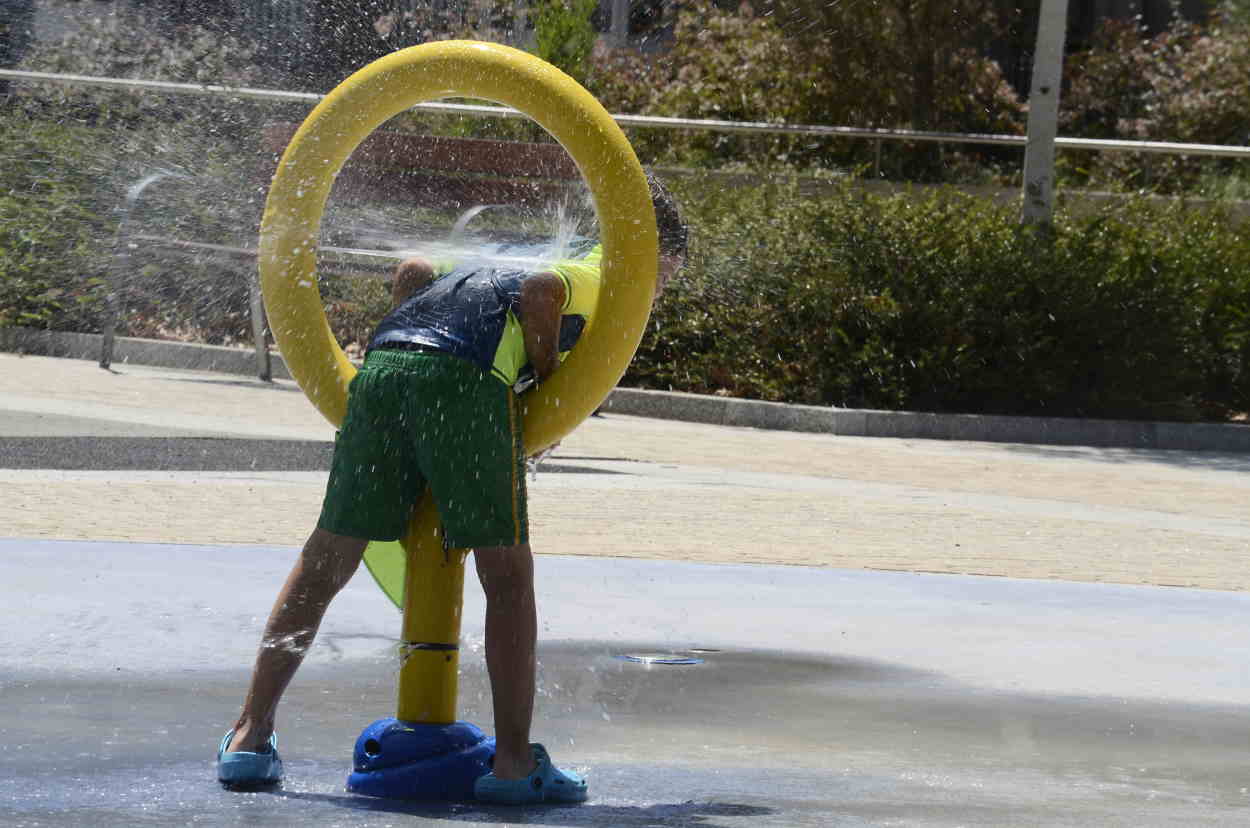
[[1237, 11], [564, 36], [122, 43], [61, 202], [944, 303], [888, 64], [54, 228], [72, 153], [315, 44], [1189, 83], [16, 23]]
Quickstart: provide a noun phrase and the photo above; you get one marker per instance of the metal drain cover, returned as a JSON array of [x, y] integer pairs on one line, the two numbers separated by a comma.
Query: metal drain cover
[[660, 658]]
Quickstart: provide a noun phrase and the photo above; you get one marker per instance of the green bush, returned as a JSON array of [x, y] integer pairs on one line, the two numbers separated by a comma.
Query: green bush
[[944, 303], [123, 43], [1187, 84], [816, 63], [722, 66], [63, 195], [55, 230], [72, 153], [59, 259], [564, 36]]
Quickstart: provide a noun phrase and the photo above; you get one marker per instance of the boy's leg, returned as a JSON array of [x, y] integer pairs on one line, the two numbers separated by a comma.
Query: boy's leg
[[507, 576], [326, 564]]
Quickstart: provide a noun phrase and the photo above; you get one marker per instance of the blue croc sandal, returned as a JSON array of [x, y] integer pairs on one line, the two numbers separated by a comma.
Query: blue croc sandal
[[244, 769], [546, 783]]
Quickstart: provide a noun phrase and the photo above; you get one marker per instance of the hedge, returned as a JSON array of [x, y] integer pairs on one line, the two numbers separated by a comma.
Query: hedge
[[946, 303]]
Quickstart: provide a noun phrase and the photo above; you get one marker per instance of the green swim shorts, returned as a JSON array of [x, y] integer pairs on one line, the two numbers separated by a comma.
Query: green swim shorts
[[416, 419]]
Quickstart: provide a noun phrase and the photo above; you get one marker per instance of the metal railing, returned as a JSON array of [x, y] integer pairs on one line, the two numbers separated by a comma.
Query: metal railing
[[656, 122]]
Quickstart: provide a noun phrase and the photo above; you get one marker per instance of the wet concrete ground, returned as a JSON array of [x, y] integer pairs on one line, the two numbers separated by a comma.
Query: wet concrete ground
[[825, 697]]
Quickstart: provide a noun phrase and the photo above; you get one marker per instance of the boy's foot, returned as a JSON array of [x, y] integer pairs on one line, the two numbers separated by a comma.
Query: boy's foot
[[546, 783], [246, 769]]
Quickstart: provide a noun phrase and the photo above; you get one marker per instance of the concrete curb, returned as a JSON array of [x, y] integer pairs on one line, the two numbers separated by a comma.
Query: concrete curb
[[712, 410], [154, 352], [916, 425]]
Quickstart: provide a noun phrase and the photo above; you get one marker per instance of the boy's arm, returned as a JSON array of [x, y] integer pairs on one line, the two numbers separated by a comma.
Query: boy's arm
[[411, 276], [542, 300]]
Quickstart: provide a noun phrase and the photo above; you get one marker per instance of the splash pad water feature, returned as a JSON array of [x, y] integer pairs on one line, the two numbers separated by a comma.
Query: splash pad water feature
[[423, 752]]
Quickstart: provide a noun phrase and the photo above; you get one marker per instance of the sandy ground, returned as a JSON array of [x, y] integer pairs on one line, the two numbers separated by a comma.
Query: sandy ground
[[634, 487]]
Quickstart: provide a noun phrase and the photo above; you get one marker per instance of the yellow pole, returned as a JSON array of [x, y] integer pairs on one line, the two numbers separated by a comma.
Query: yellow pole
[[433, 597]]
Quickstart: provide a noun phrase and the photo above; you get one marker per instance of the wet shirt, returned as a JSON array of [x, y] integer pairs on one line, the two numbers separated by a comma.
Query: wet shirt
[[473, 312]]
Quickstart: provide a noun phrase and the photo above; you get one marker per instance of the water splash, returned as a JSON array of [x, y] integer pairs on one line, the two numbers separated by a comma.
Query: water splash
[[496, 234]]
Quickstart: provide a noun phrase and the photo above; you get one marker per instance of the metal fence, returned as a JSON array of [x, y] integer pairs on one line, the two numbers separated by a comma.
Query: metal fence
[[655, 122]]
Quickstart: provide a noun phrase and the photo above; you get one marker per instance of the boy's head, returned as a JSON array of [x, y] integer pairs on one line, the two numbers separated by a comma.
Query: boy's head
[[671, 230]]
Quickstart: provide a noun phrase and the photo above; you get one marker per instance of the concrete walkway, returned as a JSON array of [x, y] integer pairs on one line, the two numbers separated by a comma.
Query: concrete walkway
[[159, 455]]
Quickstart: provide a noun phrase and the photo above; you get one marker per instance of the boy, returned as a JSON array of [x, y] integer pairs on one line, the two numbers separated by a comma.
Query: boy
[[435, 404]]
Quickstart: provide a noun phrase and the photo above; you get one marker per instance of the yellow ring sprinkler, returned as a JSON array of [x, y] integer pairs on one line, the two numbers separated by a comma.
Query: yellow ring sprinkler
[[423, 752]]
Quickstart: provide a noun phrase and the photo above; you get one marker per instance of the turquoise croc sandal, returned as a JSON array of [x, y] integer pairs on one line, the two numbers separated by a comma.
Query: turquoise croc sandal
[[244, 769], [546, 783]]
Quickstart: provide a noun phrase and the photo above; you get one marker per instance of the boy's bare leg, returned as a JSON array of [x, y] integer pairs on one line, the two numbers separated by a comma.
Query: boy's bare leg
[[507, 576], [324, 567]]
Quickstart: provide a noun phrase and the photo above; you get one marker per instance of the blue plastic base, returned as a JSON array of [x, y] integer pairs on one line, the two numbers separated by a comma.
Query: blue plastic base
[[402, 760]]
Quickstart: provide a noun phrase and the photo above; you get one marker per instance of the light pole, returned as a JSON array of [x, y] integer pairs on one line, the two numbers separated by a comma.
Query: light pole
[[1039, 153]]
